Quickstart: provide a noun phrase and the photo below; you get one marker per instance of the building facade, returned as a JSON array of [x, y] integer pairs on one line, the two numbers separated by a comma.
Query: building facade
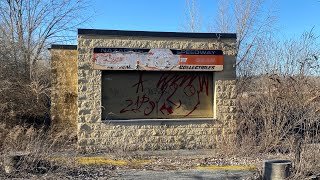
[[139, 90]]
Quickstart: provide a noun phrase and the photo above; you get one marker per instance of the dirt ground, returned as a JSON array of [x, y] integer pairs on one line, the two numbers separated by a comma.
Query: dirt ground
[[171, 164]]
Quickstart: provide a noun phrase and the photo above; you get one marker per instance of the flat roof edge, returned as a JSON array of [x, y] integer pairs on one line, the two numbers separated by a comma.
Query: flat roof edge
[[63, 46], [155, 34]]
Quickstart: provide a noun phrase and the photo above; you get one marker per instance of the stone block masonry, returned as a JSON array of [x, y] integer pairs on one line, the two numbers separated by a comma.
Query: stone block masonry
[[64, 79], [225, 95], [94, 133], [147, 137]]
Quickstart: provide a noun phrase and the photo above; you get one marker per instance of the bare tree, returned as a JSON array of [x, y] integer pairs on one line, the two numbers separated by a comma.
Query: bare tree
[[297, 56], [27, 26], [223, 21], [192, 21], [251, 21], [278, 83]]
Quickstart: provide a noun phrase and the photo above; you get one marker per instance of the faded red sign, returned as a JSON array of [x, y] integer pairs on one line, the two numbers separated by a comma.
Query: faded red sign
[[157, 59]]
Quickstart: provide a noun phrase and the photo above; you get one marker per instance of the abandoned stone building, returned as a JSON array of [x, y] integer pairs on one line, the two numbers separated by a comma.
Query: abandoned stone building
[[142, 90]]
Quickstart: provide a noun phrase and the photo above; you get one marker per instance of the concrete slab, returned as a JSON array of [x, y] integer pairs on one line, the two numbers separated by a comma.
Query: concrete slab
[[191, 174]]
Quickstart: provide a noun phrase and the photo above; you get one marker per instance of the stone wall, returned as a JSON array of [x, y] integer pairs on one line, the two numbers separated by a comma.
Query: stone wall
[[64, 73], [149, 136], [225, 95], [94, 133]]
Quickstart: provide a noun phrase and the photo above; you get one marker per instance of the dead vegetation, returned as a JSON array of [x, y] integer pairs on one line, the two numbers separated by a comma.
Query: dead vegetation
[[282, 117], [29, 153], [278, 102], [278, 99], [26, 30]]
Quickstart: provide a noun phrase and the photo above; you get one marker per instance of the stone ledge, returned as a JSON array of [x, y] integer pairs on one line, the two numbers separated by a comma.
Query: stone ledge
[[167, 122]]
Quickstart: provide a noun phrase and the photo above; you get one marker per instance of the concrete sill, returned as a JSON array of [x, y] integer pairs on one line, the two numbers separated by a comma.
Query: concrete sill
[[161, 121]]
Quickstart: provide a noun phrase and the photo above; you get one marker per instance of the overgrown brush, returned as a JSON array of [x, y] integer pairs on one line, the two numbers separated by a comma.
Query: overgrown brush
[[37, 146], [281, 114], [25, 100]]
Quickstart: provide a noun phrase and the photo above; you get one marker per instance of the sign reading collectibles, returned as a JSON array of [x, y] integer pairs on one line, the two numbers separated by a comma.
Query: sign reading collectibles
[[157, 59]]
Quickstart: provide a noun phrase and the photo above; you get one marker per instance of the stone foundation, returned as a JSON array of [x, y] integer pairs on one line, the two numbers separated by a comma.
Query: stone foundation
[[148, 137]]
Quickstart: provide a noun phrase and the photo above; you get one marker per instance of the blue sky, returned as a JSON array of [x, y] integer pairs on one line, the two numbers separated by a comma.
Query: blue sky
[[293, 16]]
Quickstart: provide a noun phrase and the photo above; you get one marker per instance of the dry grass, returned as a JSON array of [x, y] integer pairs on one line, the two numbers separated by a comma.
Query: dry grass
[[37, 145], [280, 114]]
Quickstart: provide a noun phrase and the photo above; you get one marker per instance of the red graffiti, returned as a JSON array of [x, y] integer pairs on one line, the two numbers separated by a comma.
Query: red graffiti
[[140, 83], [168, 84], [150, 109], [196, 106], [137, 105], [168, 109], [189, 90]]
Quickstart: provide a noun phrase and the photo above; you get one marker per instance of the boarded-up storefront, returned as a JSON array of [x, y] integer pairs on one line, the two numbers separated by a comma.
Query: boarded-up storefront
[[156, 95], [142, 90]]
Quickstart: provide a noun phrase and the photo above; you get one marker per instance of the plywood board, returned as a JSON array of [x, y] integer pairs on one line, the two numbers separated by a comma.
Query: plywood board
[[153, 95]]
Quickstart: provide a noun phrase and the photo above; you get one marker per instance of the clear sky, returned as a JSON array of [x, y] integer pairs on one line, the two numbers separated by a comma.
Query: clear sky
[[293, 16]]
